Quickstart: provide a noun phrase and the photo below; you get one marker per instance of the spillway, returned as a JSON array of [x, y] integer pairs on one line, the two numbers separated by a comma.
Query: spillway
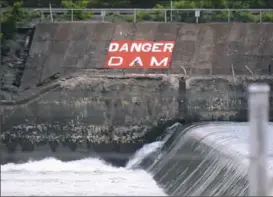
[[70, 105], [206, 159]]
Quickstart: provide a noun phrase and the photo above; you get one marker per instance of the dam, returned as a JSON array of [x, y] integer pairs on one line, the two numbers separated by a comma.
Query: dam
[[71, 106]]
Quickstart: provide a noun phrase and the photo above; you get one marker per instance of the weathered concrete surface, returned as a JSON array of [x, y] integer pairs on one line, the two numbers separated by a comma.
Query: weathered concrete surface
[[14, 53], [203, 49], [69, 102], [89, 111], [220, 97]]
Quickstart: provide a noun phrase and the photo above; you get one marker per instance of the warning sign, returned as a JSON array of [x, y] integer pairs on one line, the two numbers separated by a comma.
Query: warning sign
[[128, 54]]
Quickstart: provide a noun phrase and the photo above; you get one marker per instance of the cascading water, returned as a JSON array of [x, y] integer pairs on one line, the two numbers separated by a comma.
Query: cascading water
[[148, 155], [205, 159], [142, 153], [209, 159]]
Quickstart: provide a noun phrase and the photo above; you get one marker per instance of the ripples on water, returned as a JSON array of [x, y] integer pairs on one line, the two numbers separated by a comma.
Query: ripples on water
[[92, 176], [83, 177]]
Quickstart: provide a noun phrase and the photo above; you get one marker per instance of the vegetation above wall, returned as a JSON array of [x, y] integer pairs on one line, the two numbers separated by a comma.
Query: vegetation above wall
[[153, 3]]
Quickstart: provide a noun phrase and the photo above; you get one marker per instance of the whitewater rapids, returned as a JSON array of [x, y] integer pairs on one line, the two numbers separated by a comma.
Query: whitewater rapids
[[86, 177], [210, 159]]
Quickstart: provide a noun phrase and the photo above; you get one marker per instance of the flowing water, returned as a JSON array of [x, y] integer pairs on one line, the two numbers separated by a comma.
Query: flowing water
[[207, 159], [86, 177]]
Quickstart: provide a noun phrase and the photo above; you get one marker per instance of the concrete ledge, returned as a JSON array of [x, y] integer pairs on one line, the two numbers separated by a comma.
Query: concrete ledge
[[118, 109], [220, 97], [91, 109]]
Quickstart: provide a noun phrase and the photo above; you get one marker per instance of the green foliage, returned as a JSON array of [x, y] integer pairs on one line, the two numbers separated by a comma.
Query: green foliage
[[77, 14], [267, 17], [9, 19], [243, 16], [153, 15], [114, 17], [152, 3], [184, 16], [185, 4], [213, 17], [15, 14], [108, 4]]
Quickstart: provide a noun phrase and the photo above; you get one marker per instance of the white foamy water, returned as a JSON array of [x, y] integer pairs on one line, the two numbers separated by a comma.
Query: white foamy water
[[84, 177], [143, 153]]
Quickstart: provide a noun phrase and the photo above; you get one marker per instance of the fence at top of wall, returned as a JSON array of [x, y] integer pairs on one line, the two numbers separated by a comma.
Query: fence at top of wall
[[193, 15]]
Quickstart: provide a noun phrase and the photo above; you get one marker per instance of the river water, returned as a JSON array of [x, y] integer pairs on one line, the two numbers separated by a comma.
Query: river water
[[86, 177], [220, 169]]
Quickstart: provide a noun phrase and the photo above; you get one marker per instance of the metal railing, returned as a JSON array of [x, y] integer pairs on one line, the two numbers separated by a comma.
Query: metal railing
[[193, 15], [168, 15]]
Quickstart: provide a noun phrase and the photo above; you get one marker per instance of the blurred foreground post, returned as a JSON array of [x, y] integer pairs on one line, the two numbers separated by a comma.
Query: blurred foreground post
[[258, 108]]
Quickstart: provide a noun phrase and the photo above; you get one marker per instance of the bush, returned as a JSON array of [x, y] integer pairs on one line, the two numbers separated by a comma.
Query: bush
[[215, 16], [77, 14], [267, 17], [243, 16], [129, 19], [153, 15], [184, 16], [9, 20], [114, 17]]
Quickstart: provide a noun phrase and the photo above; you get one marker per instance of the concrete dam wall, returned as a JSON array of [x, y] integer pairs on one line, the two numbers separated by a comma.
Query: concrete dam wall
[[203, 49], [70, 103], [89, 113]]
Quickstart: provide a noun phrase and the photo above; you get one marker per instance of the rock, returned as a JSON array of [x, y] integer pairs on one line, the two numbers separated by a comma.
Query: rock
[[21, 66], [9, 78], [19, 61], [49, 79], [5, 96], [13, 45], [13, 62], [10, 88], [10, 65], [40, 129]]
